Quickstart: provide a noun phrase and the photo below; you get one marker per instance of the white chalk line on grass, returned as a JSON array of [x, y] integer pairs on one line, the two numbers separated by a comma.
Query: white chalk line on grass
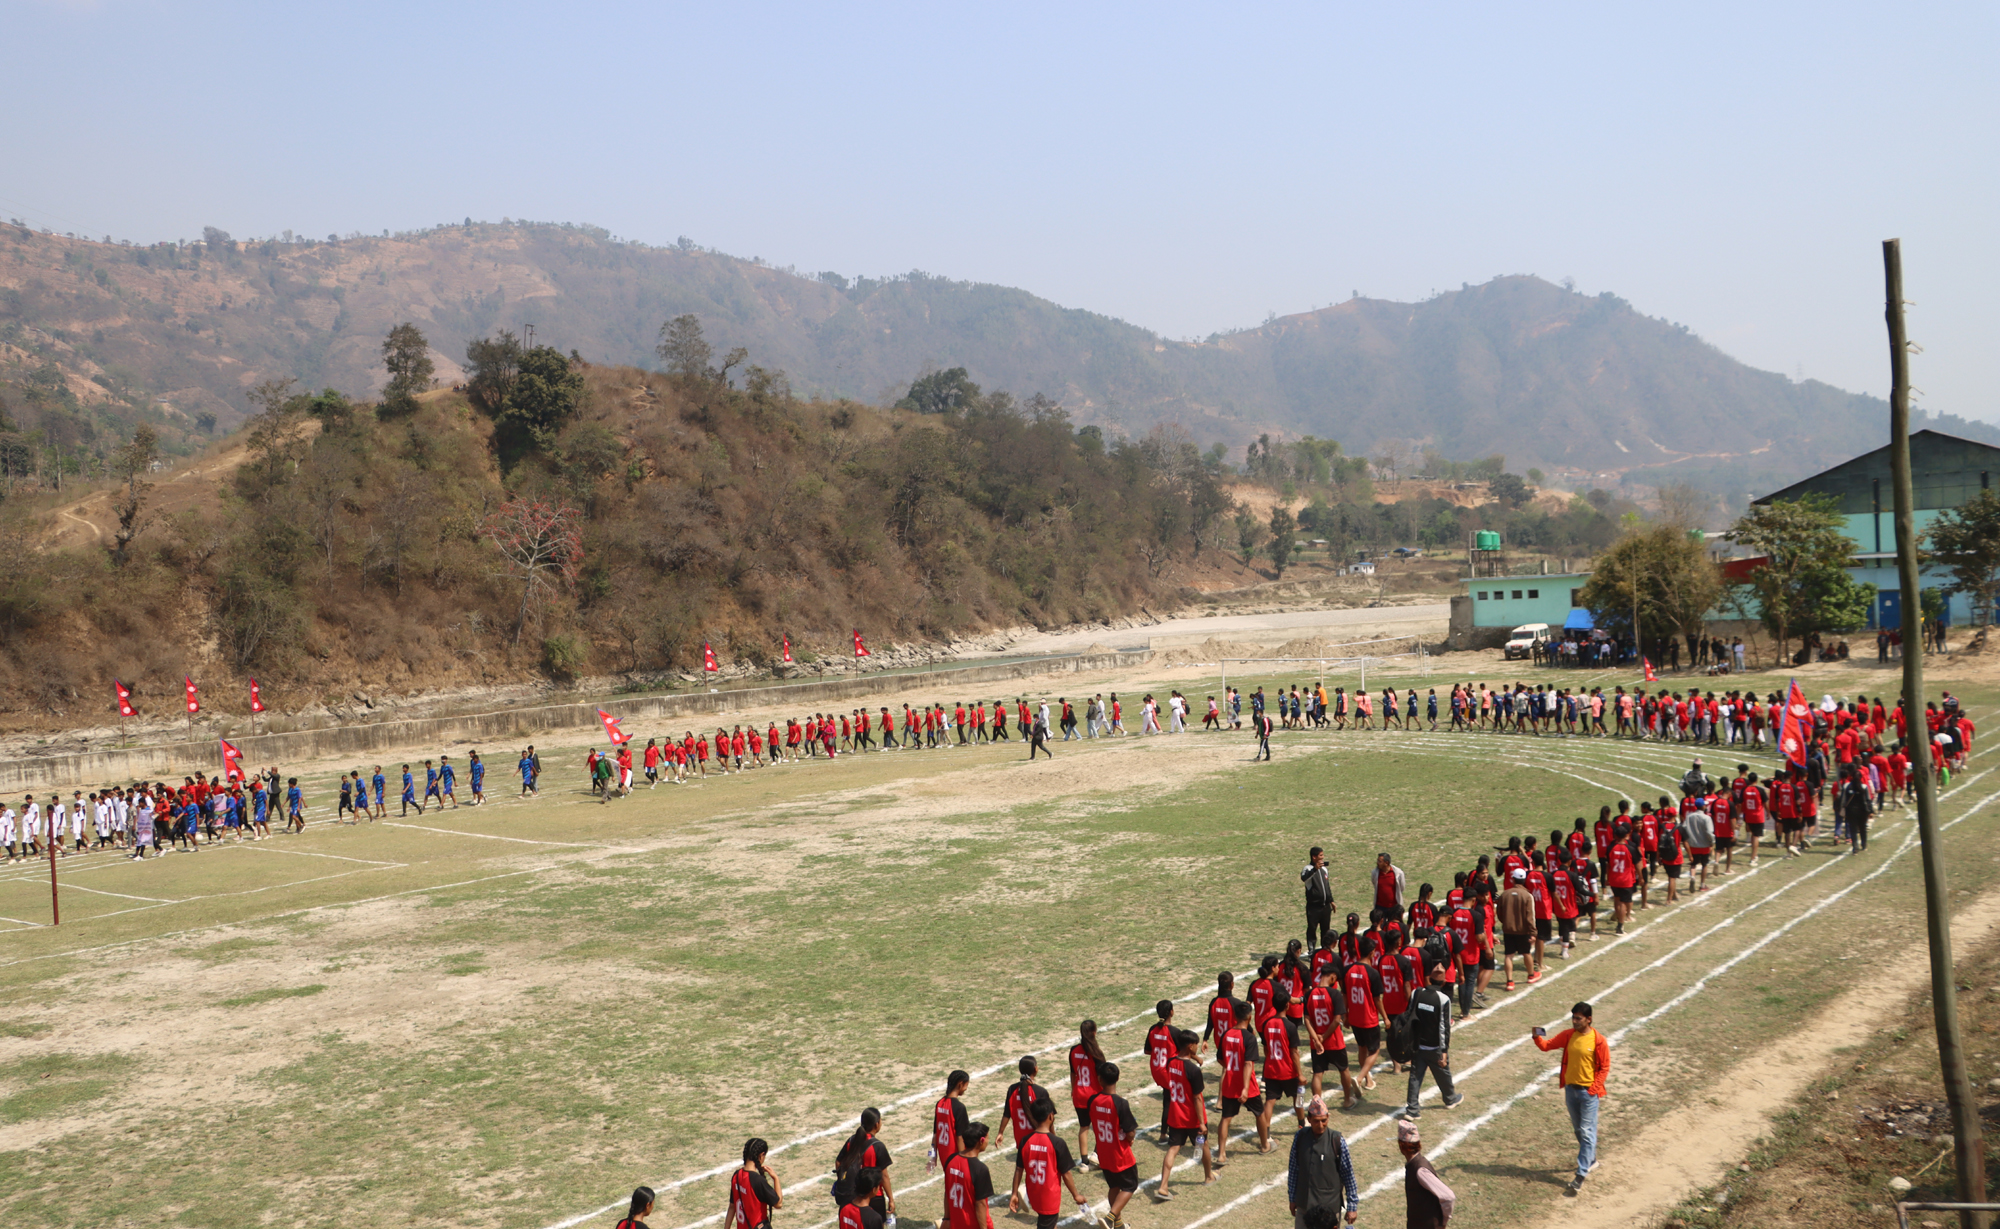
[[1540, 1082], [271, 917], [77, 887], [489, 836]]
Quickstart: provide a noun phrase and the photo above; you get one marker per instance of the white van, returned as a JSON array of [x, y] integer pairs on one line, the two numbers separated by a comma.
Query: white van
[[1522, 641]]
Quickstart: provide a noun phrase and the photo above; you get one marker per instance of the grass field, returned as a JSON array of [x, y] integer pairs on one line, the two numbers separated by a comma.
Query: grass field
[[511, 1016]]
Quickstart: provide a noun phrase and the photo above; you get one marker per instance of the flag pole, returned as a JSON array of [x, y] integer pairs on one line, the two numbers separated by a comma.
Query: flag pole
[[55, 900], [1965, 1126]]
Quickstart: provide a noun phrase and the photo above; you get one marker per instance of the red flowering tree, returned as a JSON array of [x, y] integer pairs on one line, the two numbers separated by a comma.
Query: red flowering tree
[[542, 542]]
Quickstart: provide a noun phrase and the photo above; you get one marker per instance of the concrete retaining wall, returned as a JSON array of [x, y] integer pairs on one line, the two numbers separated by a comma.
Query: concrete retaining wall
[[115, 766]]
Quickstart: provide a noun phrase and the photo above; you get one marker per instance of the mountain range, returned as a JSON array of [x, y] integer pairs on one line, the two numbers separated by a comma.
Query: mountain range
[[1585, 387]]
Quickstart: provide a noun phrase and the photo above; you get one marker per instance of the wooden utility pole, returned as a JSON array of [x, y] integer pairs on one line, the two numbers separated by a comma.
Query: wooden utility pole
[[55, 901], [1969, 1147]]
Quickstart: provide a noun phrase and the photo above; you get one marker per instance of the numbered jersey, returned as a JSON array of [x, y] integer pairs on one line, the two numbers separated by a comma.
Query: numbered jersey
[[1239, 1077], [961, 1199], [1038, 1170], [1082, 1077], [1107, 1129], [944, 1129], [1323, 1018], [1361, 1008], [743, 1201], [1160, 1050]]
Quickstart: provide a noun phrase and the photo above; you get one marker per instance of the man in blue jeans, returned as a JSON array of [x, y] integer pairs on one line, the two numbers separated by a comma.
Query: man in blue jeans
[[1586, 1061]]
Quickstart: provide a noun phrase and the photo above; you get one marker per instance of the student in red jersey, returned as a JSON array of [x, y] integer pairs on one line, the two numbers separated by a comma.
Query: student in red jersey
[[1621, 875], [1114, 1128], [1755, 807], [1160, 1047], [1187, 1114], [1325, 957], [968, 1185], [1670, 857], [863, 1155], [1022, 1106], [1043, 1167], [1266, 982], [642, 1207], [1085, 1057], [949, 1119], [1424, 914], [1280, 1035], [1236, 1048], [753, 1190], [1295, 977], [1221, 1017], [1563, 899], [1325, 1009], [1361, 986], [858, 1212], [1545, 912]]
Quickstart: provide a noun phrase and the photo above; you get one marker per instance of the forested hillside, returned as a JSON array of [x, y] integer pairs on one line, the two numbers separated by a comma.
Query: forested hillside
[[96, 333]]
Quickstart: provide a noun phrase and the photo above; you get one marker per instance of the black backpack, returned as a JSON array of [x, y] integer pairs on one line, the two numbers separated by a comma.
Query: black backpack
[[1398, 1043]]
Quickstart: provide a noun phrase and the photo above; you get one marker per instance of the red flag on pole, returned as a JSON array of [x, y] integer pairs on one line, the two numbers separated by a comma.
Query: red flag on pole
[[256, 698], [1795, 725], [708, 662], [788, 650], [617, 736], [231, 770], [125, 708], [860, 649], [194, 696], [1648, 663]]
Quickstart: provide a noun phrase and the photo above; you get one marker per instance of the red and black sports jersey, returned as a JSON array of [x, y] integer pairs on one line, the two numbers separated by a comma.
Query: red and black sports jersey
[[1649, 832], [1323, 1018], [1281, 1062], [1221, 1016], [1562, 894], [743, 1201], [1395, 986], [1423, 915], [962, 1199], [1538, 887], [1042, 1179], [1260, 998], [1619, 870], [1082, 1076], [1020, 1107], [1463, 927], [1322, 958], [1363, 987], [1160, 1050], [946, 1120], [1294, 982], [1111, 1125], [1185, 1107], [1239, 1076]]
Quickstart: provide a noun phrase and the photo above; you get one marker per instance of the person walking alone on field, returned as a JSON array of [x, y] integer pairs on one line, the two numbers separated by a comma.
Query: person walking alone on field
[[1321, 1173], [1429, 1201], [1038, 736], [1586, 1061], [1263, 724], [1319, 897], [1430, 1042]]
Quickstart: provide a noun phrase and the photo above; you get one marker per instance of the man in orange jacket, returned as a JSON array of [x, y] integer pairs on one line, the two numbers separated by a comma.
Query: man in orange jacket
[[1586, 1061]]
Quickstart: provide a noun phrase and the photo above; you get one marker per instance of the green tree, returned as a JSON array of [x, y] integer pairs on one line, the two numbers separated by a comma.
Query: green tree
[[491, 365], [682, 347], [1509, 489], [1535, 477], [406, 356], [1803, 585], [1284, 533], [546, 394], [1965, 541], [940, 392], [1658, 575], [1249, 533]]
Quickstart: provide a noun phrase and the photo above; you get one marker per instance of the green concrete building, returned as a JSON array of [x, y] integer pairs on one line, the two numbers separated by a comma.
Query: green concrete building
[[1947, 470]]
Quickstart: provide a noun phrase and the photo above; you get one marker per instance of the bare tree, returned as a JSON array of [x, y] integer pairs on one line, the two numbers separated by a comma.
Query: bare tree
[[542, 542]]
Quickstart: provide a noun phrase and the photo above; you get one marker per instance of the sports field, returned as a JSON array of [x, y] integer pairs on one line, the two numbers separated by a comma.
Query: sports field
[[512, 1015]]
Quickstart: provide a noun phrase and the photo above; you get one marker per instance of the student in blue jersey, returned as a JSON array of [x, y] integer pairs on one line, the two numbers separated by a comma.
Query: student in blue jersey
[[478, 771], [410, 792], [346, 802], [431, 786], [447, 782], [527, 767], [295, 806], [381, 784], [260, 810]]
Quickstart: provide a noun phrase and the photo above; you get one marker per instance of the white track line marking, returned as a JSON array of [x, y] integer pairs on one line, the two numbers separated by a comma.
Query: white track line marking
[[77, 887], [488, 836], [272, 917]]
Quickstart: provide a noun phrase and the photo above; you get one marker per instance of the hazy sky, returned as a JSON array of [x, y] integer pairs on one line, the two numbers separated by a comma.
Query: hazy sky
[[1730, 167]]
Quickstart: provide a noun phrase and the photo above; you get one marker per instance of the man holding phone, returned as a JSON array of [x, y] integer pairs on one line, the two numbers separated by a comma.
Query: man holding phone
[[1586, 1061]]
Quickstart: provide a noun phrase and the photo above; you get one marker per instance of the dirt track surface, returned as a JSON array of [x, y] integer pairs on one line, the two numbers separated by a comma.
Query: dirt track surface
[[1427, 618]]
